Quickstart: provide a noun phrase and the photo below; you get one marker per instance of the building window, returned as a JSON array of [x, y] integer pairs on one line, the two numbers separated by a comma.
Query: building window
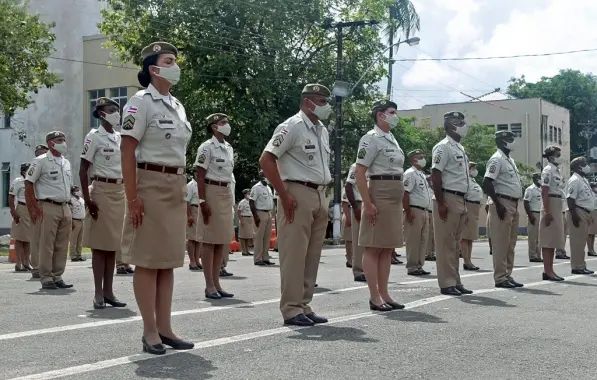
[[502, 127], [119, 95], [544, 126], [560, 136], [93, 96], [551, 136], [5, 121], [516, 128], [5, 183]]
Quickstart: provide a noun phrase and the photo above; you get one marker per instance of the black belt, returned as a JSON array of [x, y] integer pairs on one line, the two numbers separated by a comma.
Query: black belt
[[108, 180], [194, 205], [584, 209], [555, 195], [507, 197], [22, 203], [420, 208], [453, 192], [475, 202], [536, 212], [217, 183], [53, 202], [80, 220], [246, 216], [308, 184], [263, 210], [160, 168], [385, 178]]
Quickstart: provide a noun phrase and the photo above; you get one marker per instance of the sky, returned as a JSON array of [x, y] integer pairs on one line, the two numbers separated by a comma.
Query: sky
[[480, 28]]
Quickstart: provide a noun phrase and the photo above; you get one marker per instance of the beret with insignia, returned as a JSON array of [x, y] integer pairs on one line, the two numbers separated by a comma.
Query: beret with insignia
[[156, 48], [54, 134], [471, 164], [316, 89], [551, 150], [41, 147], [382, 105], [501, 135], [215, 117], [103, 101], [454, 115], [414, 152], [246, 191]]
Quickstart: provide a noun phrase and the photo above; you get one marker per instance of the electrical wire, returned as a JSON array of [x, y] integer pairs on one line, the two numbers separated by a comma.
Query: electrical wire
[[497, 56]]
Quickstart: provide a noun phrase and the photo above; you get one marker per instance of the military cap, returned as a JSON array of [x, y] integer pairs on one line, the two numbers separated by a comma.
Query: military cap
[[551, 150], [156, 48], [316, 89], [24, 166], [382, 105], [577, 161], [472, 163], [454, 115], [41, 146], [54, 134], [215, 117], [103, 101], [246, 191], [415, 152], [504, 135]]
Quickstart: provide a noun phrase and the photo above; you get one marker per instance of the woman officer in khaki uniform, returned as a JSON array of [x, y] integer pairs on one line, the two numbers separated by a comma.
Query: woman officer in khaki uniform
[[21, 228], [155, 134], [381, 159], [214, 165], [100, 161]]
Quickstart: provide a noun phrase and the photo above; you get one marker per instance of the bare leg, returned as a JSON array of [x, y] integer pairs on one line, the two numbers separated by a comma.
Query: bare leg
[[20, 252], [591, 241], [383, 273], [109, 262], [217, 262], [144, 284], [548, 254], [191, 252], [163, 305], [371, 257], [197, 252], [207, 254], [26, 259], [98, 265]]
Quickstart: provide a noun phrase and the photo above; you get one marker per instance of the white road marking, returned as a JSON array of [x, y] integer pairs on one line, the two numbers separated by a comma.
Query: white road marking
[[85, 368]]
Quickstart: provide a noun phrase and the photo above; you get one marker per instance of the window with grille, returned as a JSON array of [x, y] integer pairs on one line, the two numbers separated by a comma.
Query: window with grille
[[516, 128], [5, 183], [94, 95]]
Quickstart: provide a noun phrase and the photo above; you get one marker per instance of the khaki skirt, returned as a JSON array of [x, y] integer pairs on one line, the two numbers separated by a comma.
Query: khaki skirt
[[471, 227], [159, 243], [105, 233], [23, 230], [387, 231], [220, 228], [552, 236], [192, 230], [246, 228], [593, 226]]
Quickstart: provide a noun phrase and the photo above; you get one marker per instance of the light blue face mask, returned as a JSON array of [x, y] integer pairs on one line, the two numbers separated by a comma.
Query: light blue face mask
[[392, 120]]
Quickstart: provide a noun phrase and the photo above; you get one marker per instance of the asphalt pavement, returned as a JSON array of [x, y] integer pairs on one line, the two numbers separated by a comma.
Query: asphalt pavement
[[544, 330]]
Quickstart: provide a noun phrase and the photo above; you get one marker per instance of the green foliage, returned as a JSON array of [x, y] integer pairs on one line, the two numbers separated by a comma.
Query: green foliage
[[479, 144], [251, 58], [26, 44], [570, 89]]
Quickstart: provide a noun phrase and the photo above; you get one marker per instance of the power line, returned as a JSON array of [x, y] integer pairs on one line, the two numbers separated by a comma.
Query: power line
[[497, 56]]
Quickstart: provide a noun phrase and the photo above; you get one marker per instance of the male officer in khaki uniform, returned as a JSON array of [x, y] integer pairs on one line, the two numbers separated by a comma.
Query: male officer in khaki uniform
[[450, 183], [532, 206], [354, 198], [34, 242], [50, 179], [77, 209], [580, 204], [261, 201], [296, 162], [502, 184], [416, 203]]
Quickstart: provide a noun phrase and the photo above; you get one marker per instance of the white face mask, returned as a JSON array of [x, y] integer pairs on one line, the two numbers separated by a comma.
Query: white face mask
[[462, 131], [392, 120], [112, 118], [322, 112], [60, 147], [171, 74], [556, 160], [586, 169], [509, 146], [225, 129], [422, 162], [474, 172]]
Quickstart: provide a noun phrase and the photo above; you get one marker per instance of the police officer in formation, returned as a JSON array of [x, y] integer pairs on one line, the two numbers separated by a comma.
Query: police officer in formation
[[346, 228], [502, 184], [21, 229], [261, 202], [593, 227], [470, 233], [246, 228], [296, 163], [34, 240], [532, 207], [354, 198], [193, 241], [77, 209]]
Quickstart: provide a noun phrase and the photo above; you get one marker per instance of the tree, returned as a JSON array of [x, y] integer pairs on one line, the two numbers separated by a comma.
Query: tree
[[26, 44], [570, 89], [251, 58]]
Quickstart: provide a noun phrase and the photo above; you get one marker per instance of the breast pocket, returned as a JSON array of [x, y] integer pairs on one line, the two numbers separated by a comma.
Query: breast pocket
[[390, 155], [108, 153], [164, 129], [311, 153]]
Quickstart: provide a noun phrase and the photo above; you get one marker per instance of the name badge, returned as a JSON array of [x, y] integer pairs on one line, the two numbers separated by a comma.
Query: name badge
[[220, 160], [165, 121]]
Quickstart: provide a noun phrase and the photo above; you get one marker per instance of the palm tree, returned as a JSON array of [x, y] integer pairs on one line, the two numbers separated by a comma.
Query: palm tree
[[403, 19]]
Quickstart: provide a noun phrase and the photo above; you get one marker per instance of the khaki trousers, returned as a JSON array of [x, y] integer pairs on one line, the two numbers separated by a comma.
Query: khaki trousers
[[55, 229], [578, 238], [533, 236], [447, 239], [430, 237], [76, 239], [347, 234], [262, 236], [357, 250], [503, 239], [415, 236], [34, 246], [300, 244]]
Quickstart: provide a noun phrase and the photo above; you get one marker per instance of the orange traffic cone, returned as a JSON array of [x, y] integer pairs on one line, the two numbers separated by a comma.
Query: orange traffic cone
[[12, 251]]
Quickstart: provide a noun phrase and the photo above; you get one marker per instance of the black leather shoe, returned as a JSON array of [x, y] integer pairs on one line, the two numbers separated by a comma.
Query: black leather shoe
[[424, 272], [592, 253], [546, 277], [417, 272], [121, 270], [225, 273], [450, 291], [316, 318], [395, 305], [299, 320], [536, 260], [267, 262], [114, 302], [463, 290], [469, 267], [193, 268], [63, 285], [395, 261], [259, 263], [382, 307], [562, 257], [130, 269], [348, 265], [225, 294], [156, 349], [49, 285], [98, 305], [582, 271], [213, 296], [177, 344], [505, 284], [430, 258], [360, 278], [515, 283]]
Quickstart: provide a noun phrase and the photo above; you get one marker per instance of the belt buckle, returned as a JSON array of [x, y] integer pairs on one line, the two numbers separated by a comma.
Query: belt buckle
[[180, 171]]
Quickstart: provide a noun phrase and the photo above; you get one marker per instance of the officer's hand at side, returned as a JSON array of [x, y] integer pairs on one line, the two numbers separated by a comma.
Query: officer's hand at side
[[357, 214], [370, 212], [205, 212], [257, 220], [36, 213], [93, 209], [289, 204], [442, 210], [190, 221], [532, 219], [575, 219], [501, 210], [15, 217], [410, 217], [136, 212], [548, 219], [348, 223]]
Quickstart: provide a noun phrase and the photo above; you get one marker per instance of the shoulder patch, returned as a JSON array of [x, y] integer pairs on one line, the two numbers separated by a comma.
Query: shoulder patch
[[406, 181], [362, 153], [352, 175], [128, 123], [492, 168], [31, 169], [437, 157], [201, 158], [278, 139]]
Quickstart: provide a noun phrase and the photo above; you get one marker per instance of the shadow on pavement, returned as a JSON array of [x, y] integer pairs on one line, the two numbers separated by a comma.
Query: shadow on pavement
[[484, 301], [110, 313], [320, 289], [577, 283], [53, 292], [225, 301], [332, 334], [540, 292], [180, 366], [233, 278], [412, 316]]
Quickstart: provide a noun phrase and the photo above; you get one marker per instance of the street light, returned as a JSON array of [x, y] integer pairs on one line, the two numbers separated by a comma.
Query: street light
[[413, 41]]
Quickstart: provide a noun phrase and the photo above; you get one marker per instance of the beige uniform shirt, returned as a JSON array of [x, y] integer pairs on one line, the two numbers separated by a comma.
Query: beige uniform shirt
[[51, 177], [192, 196], [302, 149], [450, 159], [474, 193], [551, 177], [159, 123], [380, 153], [532, 194], [244, 208], [17, 189], [417, 187], [77, 207], [352, 179], [102, 150], [504, 173], [579, 189], [262, 196], [217, 159]]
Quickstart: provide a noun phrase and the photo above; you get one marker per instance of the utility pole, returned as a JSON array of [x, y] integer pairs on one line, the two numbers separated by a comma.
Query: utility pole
[[391, 61], [588, 132]]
